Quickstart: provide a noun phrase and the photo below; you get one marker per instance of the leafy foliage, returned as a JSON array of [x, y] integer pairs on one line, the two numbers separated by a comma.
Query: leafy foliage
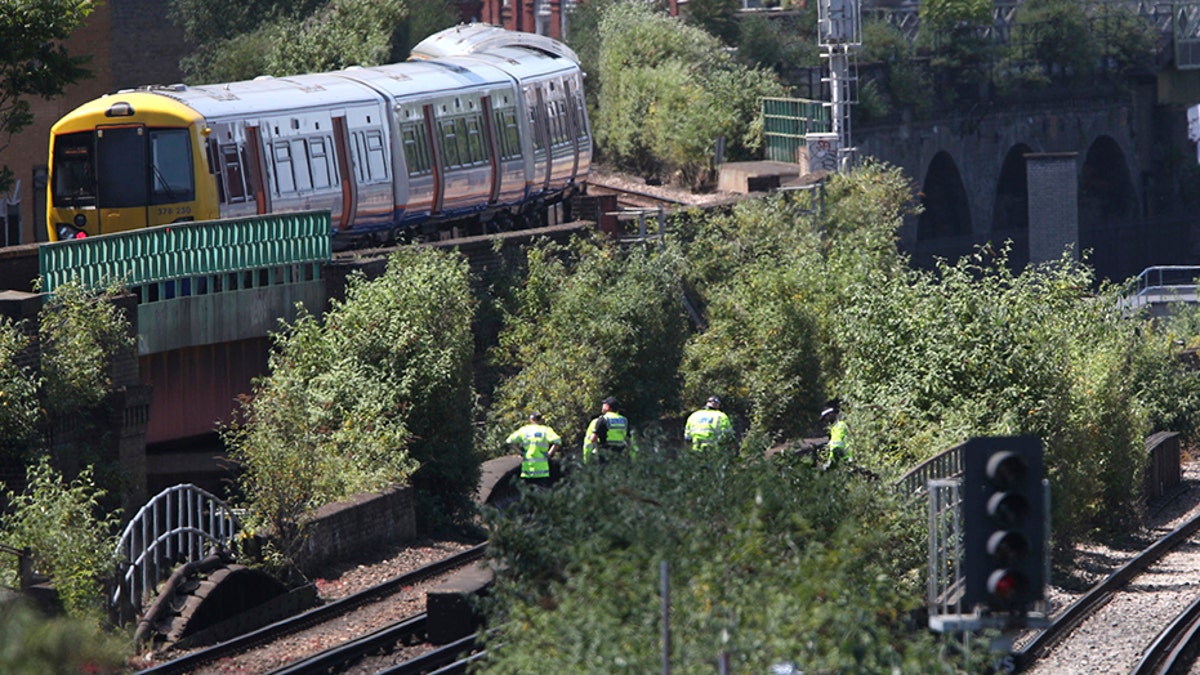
[[72, 538], [590, 321], [377, 393], [81, 333], [771, 277], [769, 562], [265, 37], [34, 644], [33, 61], [669, 91], [20, 408]]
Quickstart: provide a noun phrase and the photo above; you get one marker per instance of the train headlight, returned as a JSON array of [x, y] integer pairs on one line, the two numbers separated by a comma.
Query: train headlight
[[69, 231], [80, 220]]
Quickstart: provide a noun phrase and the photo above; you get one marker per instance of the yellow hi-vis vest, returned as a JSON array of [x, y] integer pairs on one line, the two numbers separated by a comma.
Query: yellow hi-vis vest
[[708, 428], [535, 441], [837, 437], [617, 436]]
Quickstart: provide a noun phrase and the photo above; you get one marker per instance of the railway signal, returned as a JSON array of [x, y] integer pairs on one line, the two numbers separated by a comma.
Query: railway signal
[[1004, 525]]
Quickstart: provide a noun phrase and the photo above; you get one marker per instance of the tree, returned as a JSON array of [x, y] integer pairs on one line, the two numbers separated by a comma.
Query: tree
[[33, 62], [20, 408], [590, 321], [377, 393], [270, 38], [669, 92]]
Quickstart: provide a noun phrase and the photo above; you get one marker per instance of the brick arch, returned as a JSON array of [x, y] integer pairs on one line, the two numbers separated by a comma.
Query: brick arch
[[1108, 204], [947, 212], [1010, 208], [1106, 190]]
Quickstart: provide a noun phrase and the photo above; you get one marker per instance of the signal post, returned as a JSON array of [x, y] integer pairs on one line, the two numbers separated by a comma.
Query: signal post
[[989, 540]]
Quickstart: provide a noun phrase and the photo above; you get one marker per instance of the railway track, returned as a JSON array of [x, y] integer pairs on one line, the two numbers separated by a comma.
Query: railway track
[[1121, 612], [251, 649], [631, 198]]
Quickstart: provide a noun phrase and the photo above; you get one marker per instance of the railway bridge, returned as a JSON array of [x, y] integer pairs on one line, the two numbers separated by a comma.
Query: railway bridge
[[1103, 172], [204, 298]]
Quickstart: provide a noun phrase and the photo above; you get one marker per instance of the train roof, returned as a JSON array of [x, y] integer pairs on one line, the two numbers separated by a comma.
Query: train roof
[[473, 38], [264, 94]]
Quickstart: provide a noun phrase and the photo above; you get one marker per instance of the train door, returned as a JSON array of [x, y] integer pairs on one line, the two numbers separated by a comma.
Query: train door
[[439, 176], [123, 203], [535, 102], [341, 143]]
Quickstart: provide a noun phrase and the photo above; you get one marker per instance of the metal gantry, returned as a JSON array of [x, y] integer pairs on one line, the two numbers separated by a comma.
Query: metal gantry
[[840, 33]]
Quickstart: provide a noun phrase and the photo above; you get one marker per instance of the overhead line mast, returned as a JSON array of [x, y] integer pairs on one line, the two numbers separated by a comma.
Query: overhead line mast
[[839, 27]]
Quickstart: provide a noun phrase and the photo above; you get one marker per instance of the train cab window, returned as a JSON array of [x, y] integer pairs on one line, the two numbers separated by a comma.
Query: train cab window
[[508, 134], [284, 178], [416, 150], [74, 170], [171, 166]]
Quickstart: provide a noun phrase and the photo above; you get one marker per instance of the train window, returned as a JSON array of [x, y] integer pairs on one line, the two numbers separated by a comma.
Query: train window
[[235, 182], [74, 170], [475, 145], [535, 126], [358, 149], [376, 157], [318, 161], [450, 140], [416, 150], [300, 166], [284, 178], [508, 134]]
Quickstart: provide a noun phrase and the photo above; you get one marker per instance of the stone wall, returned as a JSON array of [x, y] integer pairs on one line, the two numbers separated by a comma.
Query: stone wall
[[366, 521]]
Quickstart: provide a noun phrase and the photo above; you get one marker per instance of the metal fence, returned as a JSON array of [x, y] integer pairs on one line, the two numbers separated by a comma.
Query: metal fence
[[786, 123]]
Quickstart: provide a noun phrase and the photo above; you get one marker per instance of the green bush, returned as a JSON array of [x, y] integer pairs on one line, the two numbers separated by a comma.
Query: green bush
[[72, 538], [669, 92], [768, 562], [590, 320], [377, 393], [36, 645]]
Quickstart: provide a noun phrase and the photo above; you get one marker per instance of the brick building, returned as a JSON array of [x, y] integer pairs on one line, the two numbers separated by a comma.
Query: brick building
[[131, 43], [544, 17]]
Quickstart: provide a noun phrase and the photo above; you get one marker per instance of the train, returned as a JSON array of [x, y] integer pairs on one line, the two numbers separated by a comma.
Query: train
[[480, 127]]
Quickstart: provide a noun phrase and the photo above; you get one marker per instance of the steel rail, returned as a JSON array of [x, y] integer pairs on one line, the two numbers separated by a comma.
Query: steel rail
[[1101, 593], [592, 182], [333, 659], [1174, 648], [313, 616]]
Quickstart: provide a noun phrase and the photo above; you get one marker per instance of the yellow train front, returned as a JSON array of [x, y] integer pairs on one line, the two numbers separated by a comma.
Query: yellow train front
[[126, 162]]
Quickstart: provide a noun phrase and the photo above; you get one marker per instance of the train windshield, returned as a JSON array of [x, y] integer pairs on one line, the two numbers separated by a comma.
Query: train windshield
[[74, 170], [122, 167]]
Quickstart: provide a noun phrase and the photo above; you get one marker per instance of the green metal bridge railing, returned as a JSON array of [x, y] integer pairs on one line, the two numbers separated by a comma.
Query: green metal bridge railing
[[155, 257], [203, 283]]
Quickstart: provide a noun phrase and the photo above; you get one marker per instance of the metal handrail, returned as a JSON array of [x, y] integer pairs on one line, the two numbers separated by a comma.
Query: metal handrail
[[172, 528]]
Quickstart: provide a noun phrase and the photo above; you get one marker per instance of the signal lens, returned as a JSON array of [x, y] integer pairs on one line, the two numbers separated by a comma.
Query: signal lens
[[1006, 468], [1005, 584]]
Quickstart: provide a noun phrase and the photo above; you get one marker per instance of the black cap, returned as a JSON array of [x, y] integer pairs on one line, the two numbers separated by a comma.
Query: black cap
[[714, 401], [535, 416], [612, 402]]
